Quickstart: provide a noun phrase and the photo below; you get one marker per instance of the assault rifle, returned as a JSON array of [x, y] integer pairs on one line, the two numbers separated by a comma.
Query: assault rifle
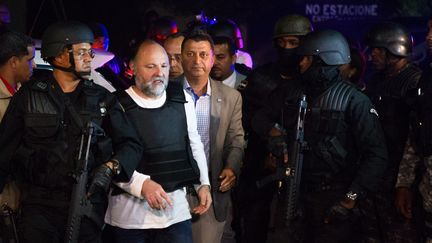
[[80, 205], [295, 164], [289, 175]]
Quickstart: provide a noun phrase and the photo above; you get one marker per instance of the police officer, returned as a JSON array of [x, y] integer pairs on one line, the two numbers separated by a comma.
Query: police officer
[[390, 88], [40, 138], [288, 32], [346, 155], [261, 84], [418, 152]]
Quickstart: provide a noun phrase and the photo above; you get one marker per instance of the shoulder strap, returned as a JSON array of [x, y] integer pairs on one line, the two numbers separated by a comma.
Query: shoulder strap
[[40, 85], [175, 92], [125, 100], [74, 114]]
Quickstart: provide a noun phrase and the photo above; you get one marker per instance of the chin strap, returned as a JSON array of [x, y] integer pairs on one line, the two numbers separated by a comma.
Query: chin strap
[[72, 68]]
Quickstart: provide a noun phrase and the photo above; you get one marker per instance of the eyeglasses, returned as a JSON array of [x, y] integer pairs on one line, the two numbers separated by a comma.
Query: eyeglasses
[[82, 52]]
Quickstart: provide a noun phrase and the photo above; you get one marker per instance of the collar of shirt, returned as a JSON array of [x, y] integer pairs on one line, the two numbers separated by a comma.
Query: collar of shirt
[[146, 103], [9, 87], [231, 80], [190, 91]]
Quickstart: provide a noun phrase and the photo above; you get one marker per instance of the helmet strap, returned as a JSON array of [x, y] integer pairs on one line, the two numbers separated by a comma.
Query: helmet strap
[[390, 63], [72, 68]]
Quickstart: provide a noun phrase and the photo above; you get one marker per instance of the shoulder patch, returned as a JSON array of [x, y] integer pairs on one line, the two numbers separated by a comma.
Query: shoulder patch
[[242, 85], [373, 111], [40, 85]]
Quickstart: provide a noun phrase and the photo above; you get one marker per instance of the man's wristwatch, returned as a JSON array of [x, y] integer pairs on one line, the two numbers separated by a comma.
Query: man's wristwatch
[[115, 166]]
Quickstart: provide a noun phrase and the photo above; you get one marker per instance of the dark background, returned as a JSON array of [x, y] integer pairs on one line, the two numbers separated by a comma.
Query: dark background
[[126, 18]]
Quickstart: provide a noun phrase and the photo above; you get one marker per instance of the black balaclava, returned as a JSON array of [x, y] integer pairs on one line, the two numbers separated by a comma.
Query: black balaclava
[[319, 77], [287, 61]]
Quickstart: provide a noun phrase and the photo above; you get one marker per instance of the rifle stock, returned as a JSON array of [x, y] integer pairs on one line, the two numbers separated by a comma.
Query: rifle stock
[[80, 205]]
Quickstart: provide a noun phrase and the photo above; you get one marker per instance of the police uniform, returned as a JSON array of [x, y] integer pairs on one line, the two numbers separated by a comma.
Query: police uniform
[[263, 83], [254, 203], [417, 157], [391, 97], [345, 154], [39, 142], [332, 164]]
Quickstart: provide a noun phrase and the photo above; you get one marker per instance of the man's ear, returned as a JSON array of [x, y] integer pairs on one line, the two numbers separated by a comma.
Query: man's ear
[[213, 59], [13, 61], [234, 59], [63, 58], [132, 66], [352, 72]]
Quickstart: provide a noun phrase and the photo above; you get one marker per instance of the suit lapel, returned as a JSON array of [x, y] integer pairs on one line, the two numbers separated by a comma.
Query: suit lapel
[[215, 117]]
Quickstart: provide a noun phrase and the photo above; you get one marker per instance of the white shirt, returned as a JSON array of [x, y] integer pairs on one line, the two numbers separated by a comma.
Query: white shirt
[[131, 211], [231, 80]]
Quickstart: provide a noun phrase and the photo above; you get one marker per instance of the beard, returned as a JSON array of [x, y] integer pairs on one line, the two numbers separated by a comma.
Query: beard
[[153, 88]]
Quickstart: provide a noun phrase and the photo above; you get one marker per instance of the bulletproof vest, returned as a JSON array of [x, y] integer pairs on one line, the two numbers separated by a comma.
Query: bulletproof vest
[[326, 129], [167, 155], [291, 95], [262, 83], [50, 144], [390, 97]]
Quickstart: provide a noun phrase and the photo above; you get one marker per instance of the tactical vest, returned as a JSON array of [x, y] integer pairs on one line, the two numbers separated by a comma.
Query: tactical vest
[[390, 97], [167, 156], [326, 130], [49, 147]]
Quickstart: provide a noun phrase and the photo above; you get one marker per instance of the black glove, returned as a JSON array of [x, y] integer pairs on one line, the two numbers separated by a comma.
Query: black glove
[[277, 145], [102, 176], [337, 213]]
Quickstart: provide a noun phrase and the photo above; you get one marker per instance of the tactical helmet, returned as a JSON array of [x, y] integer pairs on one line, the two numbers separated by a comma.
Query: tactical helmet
[[330, 45], [391, 36], [293, 24], [57, 36], [229, 29]]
